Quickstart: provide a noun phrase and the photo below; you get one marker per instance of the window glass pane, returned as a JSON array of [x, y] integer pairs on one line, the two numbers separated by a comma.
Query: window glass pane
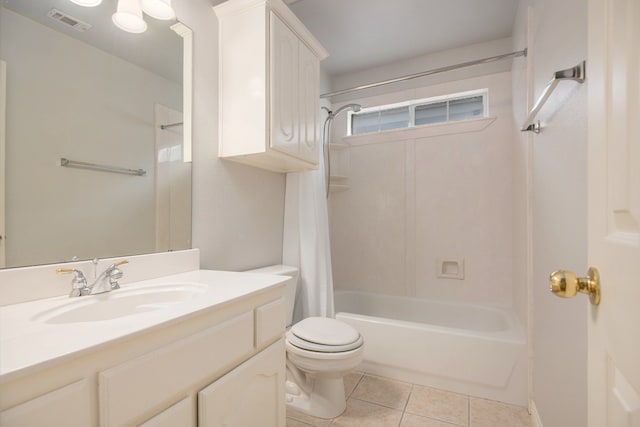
[[364, 122], [431, 113], [377, 121], [466, 108], [394, 118]]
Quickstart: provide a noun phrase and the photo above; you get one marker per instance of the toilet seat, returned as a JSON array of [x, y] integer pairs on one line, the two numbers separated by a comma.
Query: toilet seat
[[324, 335]]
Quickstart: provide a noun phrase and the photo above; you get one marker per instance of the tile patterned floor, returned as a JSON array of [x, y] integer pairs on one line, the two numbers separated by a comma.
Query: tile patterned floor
[[382, 402]]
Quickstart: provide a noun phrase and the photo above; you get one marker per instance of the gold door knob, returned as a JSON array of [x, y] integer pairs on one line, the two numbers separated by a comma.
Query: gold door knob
[[565, 284]]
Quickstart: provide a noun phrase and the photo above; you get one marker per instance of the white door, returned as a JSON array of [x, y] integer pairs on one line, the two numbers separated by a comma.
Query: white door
[[613, 73], [172, 182], [3, 117]]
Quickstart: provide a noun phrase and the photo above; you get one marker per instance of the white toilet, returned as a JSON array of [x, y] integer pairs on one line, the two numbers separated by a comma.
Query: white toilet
[[320, 352]]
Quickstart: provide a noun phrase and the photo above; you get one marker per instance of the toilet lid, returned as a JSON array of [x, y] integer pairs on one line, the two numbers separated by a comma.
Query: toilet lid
[[324, 334], [321, 348]]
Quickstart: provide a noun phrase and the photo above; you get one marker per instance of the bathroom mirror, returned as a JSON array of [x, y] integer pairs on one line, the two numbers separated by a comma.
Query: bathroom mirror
[[80, 89]]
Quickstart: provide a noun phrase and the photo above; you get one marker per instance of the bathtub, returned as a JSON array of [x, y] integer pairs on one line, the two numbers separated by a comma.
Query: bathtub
[[467, 349]]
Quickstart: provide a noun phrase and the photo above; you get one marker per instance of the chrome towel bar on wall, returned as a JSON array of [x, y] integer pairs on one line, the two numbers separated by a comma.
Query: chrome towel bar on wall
[[576, 73], [103, 168]]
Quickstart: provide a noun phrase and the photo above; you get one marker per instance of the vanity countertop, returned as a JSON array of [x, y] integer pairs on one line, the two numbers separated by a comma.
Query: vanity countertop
[[38, 334]]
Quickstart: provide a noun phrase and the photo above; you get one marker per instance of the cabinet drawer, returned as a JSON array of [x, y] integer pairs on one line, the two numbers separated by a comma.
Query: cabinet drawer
[[181, 414], [270, 322], [129, 390], [68, 406]]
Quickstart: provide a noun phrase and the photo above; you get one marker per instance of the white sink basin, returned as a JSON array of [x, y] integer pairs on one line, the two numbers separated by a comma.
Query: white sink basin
[[120, 303]]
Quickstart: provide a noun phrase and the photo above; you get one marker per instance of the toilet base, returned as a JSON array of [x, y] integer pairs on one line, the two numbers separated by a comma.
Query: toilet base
[[319, 396]]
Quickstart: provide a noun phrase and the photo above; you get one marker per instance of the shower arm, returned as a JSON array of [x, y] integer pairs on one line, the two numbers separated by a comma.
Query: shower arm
[[326, 137]]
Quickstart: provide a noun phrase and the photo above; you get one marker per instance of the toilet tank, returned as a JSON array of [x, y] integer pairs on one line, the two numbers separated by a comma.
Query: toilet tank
[[291, 284]]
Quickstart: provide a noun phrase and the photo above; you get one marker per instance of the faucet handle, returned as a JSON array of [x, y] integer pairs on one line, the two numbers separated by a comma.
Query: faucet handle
[[115, 274], [79, 285], [77, 273], [119, 263]]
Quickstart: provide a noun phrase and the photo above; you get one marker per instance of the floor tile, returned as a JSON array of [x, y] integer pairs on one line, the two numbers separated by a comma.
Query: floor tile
[[351, 380], [295, 423], [383, 391], [488, 413], [365, 414], [306, 419], [412, 420], [440, 405]]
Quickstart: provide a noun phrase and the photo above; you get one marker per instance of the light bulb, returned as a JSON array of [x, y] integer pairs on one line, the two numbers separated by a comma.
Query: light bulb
[[87, 3], [159, 9], [129, 16]]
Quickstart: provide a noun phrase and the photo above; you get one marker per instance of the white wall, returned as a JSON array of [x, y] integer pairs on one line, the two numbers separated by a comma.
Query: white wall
[[557, 158], [67, 99], [237, 210], [416, 200], [522, 177]]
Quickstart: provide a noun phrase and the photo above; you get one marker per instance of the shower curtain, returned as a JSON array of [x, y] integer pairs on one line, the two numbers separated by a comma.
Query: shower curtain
[[306, 242]]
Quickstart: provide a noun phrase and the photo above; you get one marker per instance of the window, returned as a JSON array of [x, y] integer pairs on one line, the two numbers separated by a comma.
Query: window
[[459, 106]]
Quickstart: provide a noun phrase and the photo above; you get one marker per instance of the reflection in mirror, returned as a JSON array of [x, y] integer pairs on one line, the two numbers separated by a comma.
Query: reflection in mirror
[[97, 96]]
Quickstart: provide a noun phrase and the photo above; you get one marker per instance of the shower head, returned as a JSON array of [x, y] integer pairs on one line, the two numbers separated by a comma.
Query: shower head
[[354, 107]]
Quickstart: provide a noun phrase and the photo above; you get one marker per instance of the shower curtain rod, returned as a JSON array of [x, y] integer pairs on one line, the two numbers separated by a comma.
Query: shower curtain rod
[[428, 73]]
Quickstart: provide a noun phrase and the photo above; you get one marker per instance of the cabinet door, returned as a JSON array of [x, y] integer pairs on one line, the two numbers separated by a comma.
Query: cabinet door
[[284, 88], [309, 101], [250, 395], [181, 414]]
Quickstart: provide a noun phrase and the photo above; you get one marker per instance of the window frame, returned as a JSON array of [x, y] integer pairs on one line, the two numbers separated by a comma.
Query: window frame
[[412, 104]]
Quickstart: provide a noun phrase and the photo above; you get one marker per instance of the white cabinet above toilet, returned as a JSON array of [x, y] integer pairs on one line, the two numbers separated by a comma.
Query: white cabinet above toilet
[[269, 80]]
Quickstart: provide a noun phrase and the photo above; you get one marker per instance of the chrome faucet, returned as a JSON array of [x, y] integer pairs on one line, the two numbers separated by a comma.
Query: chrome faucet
[[105, 282], [79, 285]]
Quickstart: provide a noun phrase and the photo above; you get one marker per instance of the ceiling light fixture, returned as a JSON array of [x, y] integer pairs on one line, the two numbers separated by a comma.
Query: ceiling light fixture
[[87, 3], [128, 16], [159, 9]]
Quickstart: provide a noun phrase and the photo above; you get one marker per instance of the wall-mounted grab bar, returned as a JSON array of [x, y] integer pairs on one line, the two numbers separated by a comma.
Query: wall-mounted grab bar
[[104, 168], [576, 73]]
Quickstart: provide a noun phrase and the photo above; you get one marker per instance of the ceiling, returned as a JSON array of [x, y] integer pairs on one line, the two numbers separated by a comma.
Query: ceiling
[[360, 34], [158, 49]]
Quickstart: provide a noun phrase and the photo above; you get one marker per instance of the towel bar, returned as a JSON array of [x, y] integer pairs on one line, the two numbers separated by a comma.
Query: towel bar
[[576, 73]]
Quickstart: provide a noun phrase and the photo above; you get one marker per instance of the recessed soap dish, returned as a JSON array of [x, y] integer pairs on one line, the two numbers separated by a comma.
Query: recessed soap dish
[[450, 268]]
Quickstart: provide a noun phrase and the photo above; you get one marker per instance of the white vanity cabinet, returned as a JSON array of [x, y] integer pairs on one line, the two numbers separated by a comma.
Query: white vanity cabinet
[[250, 395], [68, 406], [221, 366], [269, 106]]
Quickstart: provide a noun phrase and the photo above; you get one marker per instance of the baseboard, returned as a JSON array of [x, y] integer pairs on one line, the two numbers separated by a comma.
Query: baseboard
[[535, 416]]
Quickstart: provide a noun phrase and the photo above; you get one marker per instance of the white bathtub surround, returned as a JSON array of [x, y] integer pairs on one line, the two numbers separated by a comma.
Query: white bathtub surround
[[463, 348], [306, 241], [414, 199]]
